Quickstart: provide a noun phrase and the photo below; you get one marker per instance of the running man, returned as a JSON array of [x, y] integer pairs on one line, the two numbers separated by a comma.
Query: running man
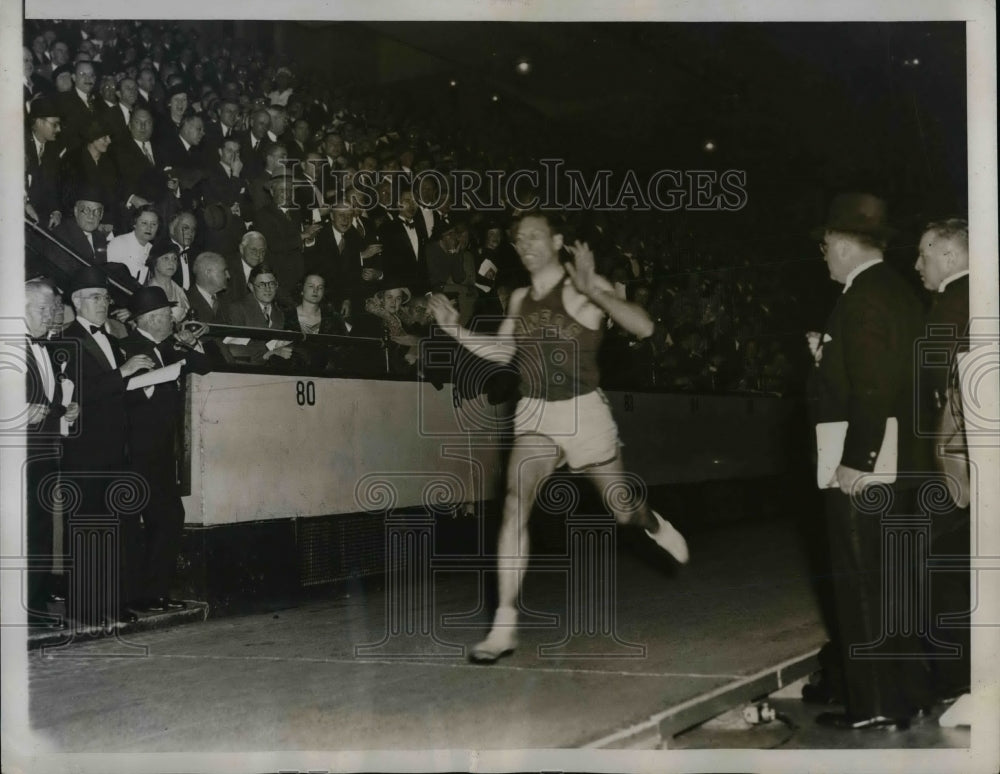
[[563, 417]]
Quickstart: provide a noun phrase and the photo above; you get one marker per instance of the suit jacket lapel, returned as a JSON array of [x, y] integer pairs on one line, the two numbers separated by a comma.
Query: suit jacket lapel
[[95, 349]]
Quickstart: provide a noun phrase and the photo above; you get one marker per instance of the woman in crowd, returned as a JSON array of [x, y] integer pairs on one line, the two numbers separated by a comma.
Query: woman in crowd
[[387, 318], [91, 167], [132, 249], [161, 266]]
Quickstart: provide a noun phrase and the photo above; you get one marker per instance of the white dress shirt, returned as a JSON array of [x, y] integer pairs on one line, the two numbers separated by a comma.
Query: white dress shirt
[[127, 250]]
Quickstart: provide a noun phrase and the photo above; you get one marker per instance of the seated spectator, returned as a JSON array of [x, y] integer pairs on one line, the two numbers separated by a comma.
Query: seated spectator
[[258, 310], [314, 315], [252, 253], [450, 268], [132, 249], [92, 167], [42, 167], [80, 234], [275, 156], [384, 318], [210, 279], [161, 266], [183, 232]]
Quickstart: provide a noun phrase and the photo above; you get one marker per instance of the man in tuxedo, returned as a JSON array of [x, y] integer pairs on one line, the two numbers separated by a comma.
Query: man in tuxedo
[[44, 399], [96, 452], [350, 267], [154, 416], [258, 310], [252, 253], [404, 258], [210, 280], [183, 231], [41, 162], [943, 265], [281, 224], [864, 376], [77, 105]]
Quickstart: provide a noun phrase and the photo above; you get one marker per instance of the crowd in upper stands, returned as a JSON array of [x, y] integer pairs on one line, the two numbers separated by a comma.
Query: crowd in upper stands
[[168, 158]]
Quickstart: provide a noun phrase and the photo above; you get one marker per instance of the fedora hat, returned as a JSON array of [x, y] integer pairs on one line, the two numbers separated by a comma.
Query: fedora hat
[[857, 213], [148, 299], [43, 107], [88, 277]]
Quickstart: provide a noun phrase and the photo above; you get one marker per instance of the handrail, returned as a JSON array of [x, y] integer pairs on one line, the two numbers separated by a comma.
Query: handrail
[[219, 329], [72, 253]]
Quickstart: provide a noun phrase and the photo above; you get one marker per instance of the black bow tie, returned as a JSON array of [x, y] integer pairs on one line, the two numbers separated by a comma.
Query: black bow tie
[[96, 329], [408, 224]]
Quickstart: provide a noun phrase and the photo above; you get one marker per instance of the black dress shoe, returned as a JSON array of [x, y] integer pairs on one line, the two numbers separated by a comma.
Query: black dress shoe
[[45, 622], [127, 616], [847, 722], [163, 604], [819, 693]]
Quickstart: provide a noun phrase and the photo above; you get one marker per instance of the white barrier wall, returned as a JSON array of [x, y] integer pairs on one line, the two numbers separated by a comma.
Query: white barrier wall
[[272, 447], [276, 447]]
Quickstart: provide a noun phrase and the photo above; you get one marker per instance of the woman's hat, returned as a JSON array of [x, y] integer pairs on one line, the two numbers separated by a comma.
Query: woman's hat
[[95, 130], [390, 284], [160, 248]]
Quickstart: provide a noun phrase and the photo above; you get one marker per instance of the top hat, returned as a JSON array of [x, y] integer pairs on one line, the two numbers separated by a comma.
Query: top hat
[[88, 277], [148, 299], [88, 192], [857, 213]]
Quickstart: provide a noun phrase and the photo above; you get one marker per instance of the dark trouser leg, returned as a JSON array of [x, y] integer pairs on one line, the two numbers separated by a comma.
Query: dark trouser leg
[[40, 537], [164, 524], [950, 595], [890, 679]]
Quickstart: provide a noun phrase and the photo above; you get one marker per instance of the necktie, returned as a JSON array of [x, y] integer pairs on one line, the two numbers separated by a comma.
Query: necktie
[[215, 303], [360, 227], [96, 329], [267, 314], [41, 151], [148, 152], [409, 224]]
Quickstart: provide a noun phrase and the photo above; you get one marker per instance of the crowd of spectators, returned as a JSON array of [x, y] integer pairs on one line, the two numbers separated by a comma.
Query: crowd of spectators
[[166, 157]]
